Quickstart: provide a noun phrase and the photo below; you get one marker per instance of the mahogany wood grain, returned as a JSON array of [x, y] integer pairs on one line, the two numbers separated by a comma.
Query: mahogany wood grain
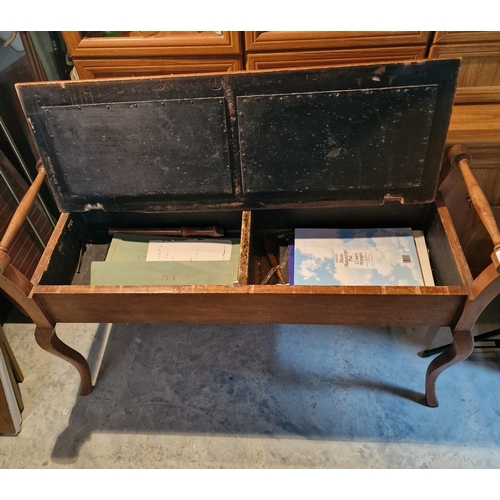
[[460, 349], [47, 339], [18, 279], [25, 304], [484, 289], [256, 41], [253, 304]]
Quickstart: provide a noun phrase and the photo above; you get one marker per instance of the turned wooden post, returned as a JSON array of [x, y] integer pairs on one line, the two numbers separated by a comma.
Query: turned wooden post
[[459, 156], [483, 289], [18, 288], [20, 216]]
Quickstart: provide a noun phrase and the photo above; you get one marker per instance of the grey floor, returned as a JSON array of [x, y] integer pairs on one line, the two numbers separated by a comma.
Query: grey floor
[[249, 396]]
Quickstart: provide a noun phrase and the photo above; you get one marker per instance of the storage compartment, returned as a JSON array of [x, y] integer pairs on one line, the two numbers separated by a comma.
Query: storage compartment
[[277, 227], [258, 154], [85, 238], [62, 279], [81, 238]]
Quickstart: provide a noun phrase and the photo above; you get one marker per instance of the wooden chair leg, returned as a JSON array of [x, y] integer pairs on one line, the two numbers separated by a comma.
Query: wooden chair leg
[[460, 349], [47, 339]]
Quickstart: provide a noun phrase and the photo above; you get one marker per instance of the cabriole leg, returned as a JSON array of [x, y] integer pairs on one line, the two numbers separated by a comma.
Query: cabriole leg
[[460, 349], [47, 339]]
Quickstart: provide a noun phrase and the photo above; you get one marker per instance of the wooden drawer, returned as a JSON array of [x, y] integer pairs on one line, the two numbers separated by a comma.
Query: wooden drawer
[[112, 68], [479, 79], [153, 43], [256, 41], [475, 124], [442, 37], [304, 59]]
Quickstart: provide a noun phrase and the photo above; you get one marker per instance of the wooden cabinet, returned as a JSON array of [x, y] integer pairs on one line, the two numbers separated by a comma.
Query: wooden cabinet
[[441, 37], [479, 80], [305, 59], [282, 49], [147, 53], [257, 41], [111, 68], [153, 43]]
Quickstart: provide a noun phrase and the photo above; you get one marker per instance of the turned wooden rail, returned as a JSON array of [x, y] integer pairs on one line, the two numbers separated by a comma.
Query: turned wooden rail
[[459, 156], [20, 216]]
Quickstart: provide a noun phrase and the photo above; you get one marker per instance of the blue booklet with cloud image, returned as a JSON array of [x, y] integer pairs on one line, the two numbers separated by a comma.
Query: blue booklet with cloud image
[[371, 257]]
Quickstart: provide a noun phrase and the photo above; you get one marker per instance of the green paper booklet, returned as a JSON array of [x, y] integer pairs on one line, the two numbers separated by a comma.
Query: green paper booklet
[[146, 260]]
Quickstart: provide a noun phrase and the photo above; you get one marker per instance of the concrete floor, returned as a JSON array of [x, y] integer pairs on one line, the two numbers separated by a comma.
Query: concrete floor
[[250, 396]]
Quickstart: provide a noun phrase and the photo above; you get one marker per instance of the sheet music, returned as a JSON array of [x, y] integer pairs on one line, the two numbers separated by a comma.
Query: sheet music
[[189, 250]]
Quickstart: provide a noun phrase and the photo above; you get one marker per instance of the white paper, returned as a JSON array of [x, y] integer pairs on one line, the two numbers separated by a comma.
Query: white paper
[[189, 250]]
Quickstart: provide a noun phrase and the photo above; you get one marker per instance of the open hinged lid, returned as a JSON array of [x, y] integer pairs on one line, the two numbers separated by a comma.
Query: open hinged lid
[[244, 140]]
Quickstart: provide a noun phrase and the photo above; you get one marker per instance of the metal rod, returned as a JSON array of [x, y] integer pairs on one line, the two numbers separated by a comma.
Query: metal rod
[[25, 170], [477, 338]]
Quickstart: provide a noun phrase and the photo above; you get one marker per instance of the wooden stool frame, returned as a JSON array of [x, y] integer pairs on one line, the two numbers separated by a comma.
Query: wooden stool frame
[[456, 302]]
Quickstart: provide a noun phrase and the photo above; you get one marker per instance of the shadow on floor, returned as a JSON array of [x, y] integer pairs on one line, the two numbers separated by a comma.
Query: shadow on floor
[[314, 382]]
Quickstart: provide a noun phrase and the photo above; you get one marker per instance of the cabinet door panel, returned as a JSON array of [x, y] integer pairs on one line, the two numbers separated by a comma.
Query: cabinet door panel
[[311, 40], [479, 78], [114, 68], [153, 43], [466, 36], [480, 62], [331, 57], [473, 124]]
